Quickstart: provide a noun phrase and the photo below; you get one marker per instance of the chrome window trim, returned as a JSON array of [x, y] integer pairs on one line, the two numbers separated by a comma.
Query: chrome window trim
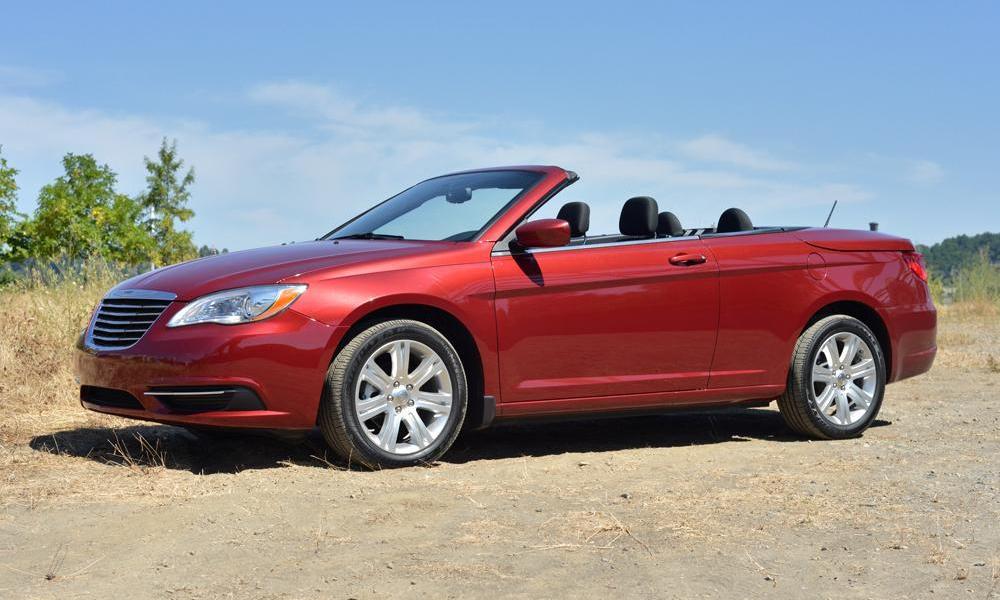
[[686, 238]]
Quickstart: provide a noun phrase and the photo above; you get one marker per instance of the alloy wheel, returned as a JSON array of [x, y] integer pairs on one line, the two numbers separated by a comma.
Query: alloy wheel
[[844, 378], [403, 396]]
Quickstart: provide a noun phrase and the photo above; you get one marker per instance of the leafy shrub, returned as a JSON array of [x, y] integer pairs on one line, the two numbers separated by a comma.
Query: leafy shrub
[[978, 281]]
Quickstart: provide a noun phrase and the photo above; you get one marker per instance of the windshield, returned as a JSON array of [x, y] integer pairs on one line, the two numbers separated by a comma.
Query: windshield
[[452, 208]]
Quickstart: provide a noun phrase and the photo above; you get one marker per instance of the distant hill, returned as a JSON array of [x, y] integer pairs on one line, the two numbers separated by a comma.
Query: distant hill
[[946, 257]]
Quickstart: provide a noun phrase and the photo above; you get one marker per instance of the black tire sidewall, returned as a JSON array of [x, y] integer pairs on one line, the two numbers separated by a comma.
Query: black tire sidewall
[[356, 430], [842, 325]]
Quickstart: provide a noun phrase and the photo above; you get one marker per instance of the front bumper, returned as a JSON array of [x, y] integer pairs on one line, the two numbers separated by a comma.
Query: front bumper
[[283, 360]]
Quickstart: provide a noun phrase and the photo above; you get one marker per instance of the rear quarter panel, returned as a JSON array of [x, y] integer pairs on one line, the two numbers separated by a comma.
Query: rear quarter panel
[[771, 285]]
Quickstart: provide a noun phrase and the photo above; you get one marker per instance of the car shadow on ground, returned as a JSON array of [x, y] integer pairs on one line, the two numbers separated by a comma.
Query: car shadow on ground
[[201, 452], [664, 430], [223, 451]]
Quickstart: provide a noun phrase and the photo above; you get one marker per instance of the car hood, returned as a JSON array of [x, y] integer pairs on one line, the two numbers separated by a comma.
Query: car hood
[[270, 265]]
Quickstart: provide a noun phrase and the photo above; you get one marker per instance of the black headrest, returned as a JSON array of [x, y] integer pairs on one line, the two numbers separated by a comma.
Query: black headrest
[[638, 217], [733, 219], [577, 214], [668, 224]]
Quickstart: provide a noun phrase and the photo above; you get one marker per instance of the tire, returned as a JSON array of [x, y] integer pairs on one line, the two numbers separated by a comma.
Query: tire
[[371, 389], [826, 396]]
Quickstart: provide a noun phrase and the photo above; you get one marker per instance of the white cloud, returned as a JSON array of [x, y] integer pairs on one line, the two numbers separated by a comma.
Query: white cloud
[[923, 172], [718, 149], [271, 184], [347, 116]]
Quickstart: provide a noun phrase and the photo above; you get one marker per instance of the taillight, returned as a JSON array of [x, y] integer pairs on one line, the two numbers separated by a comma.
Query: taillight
[[915, 261]]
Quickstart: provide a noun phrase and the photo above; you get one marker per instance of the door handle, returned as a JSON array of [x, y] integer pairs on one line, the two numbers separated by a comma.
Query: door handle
[[687, 260]]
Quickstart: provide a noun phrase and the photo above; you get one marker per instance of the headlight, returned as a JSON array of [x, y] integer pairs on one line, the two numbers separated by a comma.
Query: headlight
[[244, 305]]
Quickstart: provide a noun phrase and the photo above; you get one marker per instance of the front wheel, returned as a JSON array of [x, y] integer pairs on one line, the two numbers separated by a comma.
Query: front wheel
[[395, 396], [836, 381]]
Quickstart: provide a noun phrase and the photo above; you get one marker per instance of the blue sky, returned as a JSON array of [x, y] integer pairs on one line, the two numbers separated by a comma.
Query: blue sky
[[296, 116]]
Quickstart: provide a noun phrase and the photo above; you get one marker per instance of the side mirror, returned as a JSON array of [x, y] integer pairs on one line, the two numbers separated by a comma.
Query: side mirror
[[543, 233]]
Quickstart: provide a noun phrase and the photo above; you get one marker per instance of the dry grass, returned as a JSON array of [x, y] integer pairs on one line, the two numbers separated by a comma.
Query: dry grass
[[967, 337], [40, 323], [41, 318], [591, 529]]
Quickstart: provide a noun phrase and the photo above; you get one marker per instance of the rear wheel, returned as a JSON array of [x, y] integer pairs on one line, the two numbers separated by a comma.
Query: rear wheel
[[836, 381], [395, 396]]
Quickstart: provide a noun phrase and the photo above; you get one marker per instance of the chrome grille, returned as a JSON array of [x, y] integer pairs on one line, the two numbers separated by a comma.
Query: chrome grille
[[121, 321]]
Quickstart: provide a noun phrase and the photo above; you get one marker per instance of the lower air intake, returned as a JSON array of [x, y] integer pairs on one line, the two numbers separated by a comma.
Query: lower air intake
[[193, 400], [110, 398]]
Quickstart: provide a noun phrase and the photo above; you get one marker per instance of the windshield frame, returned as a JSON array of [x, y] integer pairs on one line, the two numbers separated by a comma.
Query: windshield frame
[[540, 177]]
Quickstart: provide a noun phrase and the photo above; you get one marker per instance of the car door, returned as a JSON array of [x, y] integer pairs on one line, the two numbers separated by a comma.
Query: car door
[[608, 320], [758, 328]]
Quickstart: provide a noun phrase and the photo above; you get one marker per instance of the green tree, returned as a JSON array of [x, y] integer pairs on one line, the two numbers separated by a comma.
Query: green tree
[[8, 201], [126, 239], [81, 215], [946, 258], [211, 251], [165, 203]]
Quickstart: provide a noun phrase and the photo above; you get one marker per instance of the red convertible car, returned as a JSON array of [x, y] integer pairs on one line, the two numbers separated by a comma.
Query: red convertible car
[[447, 307]]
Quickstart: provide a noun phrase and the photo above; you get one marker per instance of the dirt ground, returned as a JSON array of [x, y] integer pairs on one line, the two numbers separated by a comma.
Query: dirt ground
[[707, 504]]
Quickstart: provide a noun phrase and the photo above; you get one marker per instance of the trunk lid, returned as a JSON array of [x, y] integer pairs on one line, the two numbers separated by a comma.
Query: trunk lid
[[848, 240]]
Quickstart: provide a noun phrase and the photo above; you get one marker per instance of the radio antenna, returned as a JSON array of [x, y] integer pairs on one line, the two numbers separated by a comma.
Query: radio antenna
[[832, 208]]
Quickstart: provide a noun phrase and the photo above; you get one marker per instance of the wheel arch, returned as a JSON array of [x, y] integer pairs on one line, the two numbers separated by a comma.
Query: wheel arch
[[478, 412], [864, 313]]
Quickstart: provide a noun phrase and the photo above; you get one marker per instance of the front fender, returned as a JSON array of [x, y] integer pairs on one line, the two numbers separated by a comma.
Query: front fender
[[465, 292]]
